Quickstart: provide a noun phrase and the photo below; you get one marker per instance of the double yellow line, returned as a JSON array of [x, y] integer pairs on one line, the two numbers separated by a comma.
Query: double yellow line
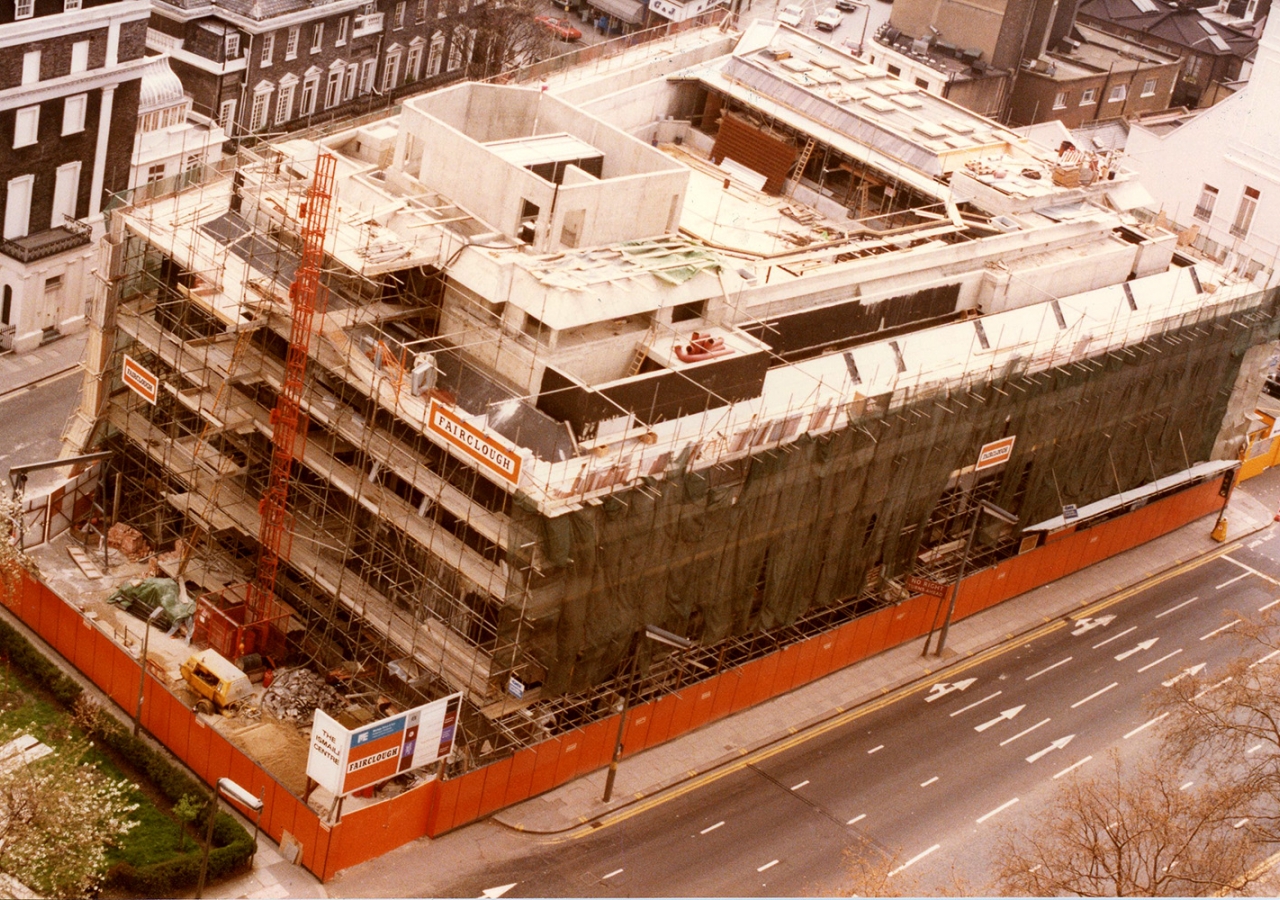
[[844, 717]]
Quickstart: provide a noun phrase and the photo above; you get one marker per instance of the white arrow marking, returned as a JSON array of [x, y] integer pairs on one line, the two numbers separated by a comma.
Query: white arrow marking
[[942, 688], [494, 893], [1145, 645], [1056, 745], [1087, 624], [1194, 670], [1003, 717]]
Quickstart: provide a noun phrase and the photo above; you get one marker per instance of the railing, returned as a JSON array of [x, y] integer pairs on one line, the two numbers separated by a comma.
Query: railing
[[42, 244], [370, 23]]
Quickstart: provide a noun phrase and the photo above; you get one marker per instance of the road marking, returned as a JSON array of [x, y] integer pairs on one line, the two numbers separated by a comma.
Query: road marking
[[1054, 666], [1232, 581], [1086, 624], [1270, 655], [1160, 660], [494, 892], [874, 749], [913, 860], [856, 819], [796, 787], [929, 782], [1003, 717], [611, 874], [1021, 733], [1143, 645], [1147, 724], [1269, 605], [1116, 637], [1255, 748], [1176, 608], [1211, 687], [768, 865], [1001, 808], [1240, 823], [698, 781], [1073, 766], [942, 688], [1251, 570], [1217, 630], [1192, 671], [979, 703], [1053, 745], [1185, 786], [1095, 694], [711, 828]]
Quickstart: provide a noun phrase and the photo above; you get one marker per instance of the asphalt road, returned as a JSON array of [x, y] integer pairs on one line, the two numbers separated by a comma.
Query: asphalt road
[[32, 419], [928, 775]]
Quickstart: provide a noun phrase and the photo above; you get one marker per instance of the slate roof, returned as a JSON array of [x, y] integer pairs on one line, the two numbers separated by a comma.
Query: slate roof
[[1176, 25]]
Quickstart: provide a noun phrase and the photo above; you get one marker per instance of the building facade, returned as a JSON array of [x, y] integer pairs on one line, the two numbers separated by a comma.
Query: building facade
[[70, 75]]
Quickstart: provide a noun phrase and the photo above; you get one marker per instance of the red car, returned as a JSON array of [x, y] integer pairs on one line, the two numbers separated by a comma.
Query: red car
[[560, 28]]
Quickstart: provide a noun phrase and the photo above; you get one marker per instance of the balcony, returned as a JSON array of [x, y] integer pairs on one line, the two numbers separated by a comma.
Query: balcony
[[369, 23], [31, 247]]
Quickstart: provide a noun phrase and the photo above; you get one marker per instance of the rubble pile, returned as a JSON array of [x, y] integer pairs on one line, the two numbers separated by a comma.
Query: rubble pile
[[128, 541], [296, 693]]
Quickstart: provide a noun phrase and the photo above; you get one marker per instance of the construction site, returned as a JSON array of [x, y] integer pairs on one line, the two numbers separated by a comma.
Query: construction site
[[464, 399]]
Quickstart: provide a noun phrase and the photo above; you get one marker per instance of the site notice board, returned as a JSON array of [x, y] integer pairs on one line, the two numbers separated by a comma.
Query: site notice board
[[343, 760]]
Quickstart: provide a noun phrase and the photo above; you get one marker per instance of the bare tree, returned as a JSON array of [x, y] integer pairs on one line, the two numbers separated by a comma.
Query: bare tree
[[1131, 831], [507, 36], [13, 562]]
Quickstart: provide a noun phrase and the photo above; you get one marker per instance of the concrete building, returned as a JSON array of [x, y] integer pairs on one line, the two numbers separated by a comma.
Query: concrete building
[[168, 144], [70, 74]]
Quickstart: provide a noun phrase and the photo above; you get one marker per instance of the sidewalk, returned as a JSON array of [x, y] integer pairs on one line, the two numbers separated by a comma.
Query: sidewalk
[[17, 370]]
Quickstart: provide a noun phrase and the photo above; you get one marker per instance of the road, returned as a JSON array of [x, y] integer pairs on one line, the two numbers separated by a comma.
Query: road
[[928, 774], [851, 30], [31, 422]]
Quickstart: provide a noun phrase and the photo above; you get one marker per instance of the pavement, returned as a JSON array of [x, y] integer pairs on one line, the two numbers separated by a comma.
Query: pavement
[[20, 370]]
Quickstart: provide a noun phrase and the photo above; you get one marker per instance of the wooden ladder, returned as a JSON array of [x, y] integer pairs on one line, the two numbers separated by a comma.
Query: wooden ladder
[[642, 351], [800, 164]]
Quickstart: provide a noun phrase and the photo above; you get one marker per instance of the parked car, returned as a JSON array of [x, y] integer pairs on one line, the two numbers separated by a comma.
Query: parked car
[[849, 5], [791, 15], [561, 28], [829, 19]]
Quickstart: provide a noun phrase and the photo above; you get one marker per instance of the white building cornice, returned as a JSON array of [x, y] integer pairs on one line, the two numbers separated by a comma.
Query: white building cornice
[[16, 34]]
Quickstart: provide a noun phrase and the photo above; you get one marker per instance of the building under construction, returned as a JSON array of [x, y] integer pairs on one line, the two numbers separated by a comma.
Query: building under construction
[[715, 352]]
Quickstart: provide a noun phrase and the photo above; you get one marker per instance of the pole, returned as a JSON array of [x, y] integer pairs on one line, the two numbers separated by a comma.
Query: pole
[[142, 667], [622, 719], [862, 41], [208, 842], [955, 591]]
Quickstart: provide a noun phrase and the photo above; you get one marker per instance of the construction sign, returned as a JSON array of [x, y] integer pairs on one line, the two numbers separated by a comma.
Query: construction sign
[[344, 760], [918, 585], [141, 380], [994, 453], [473, 442]]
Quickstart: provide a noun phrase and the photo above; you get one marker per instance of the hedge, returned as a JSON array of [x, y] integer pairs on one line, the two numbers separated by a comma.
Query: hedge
[[233, 847]]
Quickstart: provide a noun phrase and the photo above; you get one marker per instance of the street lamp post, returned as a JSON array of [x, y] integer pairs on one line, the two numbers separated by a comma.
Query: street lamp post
[[983, 507], [659, 636], [232, 791], [142, 666]]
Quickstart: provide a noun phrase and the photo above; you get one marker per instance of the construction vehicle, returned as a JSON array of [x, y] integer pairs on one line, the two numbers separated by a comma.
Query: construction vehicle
[[217, 683]]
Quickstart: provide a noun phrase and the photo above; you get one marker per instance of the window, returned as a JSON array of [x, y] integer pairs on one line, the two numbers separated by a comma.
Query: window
[[66, 189], [22, 9], [413, 65], [1089, 95], [31, 67], [420, 15], [155, 173], [6, 306], [79, 57], [893, 70], [367, 69], [333, 88], [194, 161], [343, 24], [922, 83], [1244, 213], [284, 101], [349, 83], [308, 101], [227, 115], [73, 109], [1204, 206], [1149, 88], [17, 206], [258, 112], [268, 49], [399, 16], [233, 45], [1118, 93], [1060, 100], [26, 127], [70, 5], [291, 43], [455, 49], [391, 73], [436, 55], [317, 37]]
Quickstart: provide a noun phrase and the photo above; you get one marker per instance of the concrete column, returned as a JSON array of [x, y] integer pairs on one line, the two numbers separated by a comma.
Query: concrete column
[[100, 154]]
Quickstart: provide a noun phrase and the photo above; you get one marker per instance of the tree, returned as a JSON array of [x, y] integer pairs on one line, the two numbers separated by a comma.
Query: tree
[[507, 36], [1132, 831], [13, 562], [59, 816]]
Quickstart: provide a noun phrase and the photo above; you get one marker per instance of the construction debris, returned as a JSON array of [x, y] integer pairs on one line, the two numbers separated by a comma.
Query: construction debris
[[129, 541], [296, 693]]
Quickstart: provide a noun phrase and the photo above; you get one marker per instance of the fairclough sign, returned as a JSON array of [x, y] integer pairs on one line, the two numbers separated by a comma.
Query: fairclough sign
[[470, 440]]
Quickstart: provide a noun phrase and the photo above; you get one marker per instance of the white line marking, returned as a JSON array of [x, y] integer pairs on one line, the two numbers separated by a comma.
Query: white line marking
[[796, 787], [913, 860], [1116, 637], [1268, 606], [611, 874], [1233, 580], [1021, 733], [1145, 725], [1185, 786], [929, 782], [711, 828], [874, 749], [1254, 749], [1211, 687], [1251, 570], [1254, 544], [768, 865], [1095, 694], [1054, 666], [1161, 659], [1241, 822], [1075, 766], [978, 703], [999, 808], [1273, 653], [856, 819], [1176, 608], [1217, 630]]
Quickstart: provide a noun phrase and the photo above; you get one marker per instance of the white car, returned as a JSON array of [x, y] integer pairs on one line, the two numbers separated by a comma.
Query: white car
[[830, 19], [791, 15]]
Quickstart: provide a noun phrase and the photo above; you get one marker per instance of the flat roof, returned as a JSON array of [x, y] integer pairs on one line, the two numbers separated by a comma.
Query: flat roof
[[542, 148]]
